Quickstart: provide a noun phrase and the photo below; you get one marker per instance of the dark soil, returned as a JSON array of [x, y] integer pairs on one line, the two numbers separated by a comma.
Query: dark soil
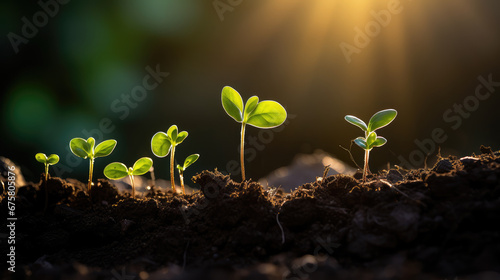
[[437, 223]]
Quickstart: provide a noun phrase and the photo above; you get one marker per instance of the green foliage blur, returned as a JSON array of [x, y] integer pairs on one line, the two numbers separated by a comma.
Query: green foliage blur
[[127, 69]]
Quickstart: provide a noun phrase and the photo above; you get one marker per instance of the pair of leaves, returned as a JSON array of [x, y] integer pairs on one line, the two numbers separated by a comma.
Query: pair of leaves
[[378, 120], [85, 148], [264, 114], [371, 141], [162, 142], [50, 160], [118, 170], [189, 160]]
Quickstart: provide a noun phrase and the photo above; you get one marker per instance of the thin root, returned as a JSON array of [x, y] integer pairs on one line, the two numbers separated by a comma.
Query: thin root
[[281, 228]]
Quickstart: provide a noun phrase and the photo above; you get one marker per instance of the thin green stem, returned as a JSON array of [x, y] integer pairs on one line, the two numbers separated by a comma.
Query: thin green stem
[[172, 178], [242, 153], [46, 188], [181, 177], [46, 171], [366, 169], [133, 185], [91, 171]]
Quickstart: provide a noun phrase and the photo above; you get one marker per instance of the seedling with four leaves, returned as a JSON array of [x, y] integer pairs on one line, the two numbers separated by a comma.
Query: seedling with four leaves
[[264, 114], [86, 149], [371, 140], [118, 170], [47, 160], [187, 162], [164, 143]]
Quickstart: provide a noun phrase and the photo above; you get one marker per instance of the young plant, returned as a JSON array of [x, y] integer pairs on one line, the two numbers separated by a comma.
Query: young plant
[[50, 160], [164, 143], [86, 149], [264, 114], [371, 140], [189, 160], [118, 170]]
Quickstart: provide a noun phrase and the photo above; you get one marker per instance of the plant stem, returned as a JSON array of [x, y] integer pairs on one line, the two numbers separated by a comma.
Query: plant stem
[[172, 179], [133, 186], [91, 171], [181, 177], [366, 169], [46, 189], [242, 153], [46, 172]]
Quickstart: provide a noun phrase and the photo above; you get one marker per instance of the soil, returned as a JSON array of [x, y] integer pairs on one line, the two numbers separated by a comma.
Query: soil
[[437, 223]]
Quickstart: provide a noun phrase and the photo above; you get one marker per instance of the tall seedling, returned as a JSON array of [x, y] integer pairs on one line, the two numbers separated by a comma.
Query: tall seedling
[[264, 114]]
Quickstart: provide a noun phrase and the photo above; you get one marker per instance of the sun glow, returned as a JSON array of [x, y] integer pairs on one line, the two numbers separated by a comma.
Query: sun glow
[[314, 31]]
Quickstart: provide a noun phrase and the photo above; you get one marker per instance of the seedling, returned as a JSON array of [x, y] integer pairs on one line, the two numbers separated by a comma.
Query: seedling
[[264, 114], [118, 170], [86, 150], [189, 160], [50, 160], [164, 143], [371, 140]]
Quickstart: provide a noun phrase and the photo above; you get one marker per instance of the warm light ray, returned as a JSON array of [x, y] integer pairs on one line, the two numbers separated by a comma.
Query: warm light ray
[[299, 40], [308, 50]]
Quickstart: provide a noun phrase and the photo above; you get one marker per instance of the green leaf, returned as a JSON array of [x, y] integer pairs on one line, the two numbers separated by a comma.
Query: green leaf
[[172, 133], [232, 103], [267, 114], [380, 141], [381, 119], [142, 165], [53, 159], [105, 148], [181, 136], [41, 157], [190, 160], [356, 121], [250, 106], [79, 147], [160, 144], [360, 141], [91, 145], [370, 139], [115, 171]]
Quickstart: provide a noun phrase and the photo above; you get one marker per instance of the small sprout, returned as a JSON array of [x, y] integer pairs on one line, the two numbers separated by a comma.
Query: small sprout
[[50, 160], [189, 160], [264, 114], [164, 143], [85, 149], [118, 170], [371, 140]]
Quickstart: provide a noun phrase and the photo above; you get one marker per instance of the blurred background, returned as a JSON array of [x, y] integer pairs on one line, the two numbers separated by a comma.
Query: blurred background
[[76, 68]]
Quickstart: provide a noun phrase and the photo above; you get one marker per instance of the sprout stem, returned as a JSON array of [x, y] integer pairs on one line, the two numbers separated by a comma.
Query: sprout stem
[[366, 169], [46, 189], [91, 171], [181, 177], [172, 179], [46, 172], [242, 153], [133, 185]]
